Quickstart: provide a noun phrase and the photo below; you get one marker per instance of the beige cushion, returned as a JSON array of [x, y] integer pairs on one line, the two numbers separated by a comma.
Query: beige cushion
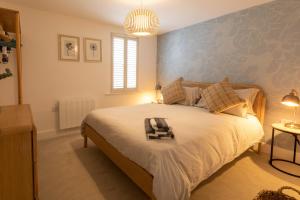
[[192, 95], [173, 92], [239, 110], [249, 96], [220, 97]]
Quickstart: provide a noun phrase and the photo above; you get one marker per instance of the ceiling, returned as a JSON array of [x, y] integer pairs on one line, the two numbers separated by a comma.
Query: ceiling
[[173, 14]]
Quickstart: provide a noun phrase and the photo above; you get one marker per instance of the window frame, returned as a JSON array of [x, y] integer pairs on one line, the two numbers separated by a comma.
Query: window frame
[[125, 89]]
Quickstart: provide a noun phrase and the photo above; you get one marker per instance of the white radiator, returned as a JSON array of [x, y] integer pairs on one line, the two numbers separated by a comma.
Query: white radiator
[[72, 111]]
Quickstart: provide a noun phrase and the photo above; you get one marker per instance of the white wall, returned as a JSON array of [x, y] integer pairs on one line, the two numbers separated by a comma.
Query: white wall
[[46, 79]]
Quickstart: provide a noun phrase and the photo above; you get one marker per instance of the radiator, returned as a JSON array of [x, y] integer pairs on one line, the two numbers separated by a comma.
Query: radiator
[[72, 111]]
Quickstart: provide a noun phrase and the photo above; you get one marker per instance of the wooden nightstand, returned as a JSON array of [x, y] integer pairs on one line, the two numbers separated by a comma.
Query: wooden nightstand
[[295, 133], [18, 154]]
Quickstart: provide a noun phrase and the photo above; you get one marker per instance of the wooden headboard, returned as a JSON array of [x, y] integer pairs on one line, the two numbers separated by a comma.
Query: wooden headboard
[[260, 101]]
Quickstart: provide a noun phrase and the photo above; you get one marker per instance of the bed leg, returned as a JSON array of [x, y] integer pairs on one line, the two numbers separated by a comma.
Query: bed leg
[[257, 148], [85, 144]]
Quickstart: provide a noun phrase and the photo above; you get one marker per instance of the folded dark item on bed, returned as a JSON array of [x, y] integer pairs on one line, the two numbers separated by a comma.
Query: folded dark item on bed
[[160, 130], [161, 124]]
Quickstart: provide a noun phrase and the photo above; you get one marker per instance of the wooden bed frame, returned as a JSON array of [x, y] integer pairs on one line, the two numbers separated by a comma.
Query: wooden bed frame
[[138, 174]]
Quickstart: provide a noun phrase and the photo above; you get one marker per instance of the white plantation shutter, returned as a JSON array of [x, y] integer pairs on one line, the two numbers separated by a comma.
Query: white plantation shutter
[[131, 63], [118, 62], [124, 63]]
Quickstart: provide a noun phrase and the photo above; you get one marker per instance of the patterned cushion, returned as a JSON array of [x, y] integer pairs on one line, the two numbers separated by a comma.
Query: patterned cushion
[[173, 92], [220, 97]]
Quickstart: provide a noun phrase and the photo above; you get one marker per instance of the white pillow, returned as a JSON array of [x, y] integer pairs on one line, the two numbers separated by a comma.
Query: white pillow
[[201, 104], [249, 96], [192, 95]]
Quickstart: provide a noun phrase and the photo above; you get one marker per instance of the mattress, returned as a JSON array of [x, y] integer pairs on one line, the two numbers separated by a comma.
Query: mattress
[[203, 143]]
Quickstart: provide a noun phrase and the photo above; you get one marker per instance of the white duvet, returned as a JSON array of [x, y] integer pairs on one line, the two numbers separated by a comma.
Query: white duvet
[[203, 143]]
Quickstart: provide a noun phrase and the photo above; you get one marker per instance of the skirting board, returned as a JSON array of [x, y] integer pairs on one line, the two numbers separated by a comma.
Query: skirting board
[[51, 134]]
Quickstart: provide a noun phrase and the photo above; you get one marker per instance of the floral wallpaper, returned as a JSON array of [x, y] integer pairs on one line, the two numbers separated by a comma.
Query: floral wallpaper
[[259, 45]]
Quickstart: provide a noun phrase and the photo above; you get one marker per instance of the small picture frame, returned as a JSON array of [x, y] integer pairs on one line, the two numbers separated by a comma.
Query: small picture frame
[[68, 48], [92, 50]]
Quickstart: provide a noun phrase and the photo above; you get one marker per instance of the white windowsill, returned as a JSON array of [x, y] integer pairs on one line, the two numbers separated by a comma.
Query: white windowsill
[[121, 93]]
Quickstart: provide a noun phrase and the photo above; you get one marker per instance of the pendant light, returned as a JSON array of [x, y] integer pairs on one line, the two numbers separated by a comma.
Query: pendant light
[[141, 22]]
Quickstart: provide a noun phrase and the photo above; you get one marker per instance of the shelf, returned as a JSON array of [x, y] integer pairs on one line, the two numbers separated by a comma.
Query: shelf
[[8, 19]]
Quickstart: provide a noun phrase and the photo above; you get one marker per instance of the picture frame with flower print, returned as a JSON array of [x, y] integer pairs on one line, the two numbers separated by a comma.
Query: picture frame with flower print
[[68, 48], [92, 50]]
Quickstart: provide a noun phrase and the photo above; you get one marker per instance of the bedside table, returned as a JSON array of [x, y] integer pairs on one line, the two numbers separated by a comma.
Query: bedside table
[[293, 132]]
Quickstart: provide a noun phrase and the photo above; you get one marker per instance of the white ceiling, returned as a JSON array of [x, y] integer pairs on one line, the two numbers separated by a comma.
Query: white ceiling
[[173, 14]]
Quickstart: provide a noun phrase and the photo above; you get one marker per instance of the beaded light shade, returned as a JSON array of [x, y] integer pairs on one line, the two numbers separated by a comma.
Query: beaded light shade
[[141, 22]]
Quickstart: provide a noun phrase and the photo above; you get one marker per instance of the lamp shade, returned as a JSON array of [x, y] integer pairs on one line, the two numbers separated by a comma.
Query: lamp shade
[[291, 99], [141, 22]]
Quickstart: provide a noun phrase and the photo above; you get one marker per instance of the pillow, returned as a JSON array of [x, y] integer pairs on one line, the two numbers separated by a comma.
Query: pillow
[[220, 97], [173, 92], [201, 103], [249, 96], [192, 95], [239, 110]]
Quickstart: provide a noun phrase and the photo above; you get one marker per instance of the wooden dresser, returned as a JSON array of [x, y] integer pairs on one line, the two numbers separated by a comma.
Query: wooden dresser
[[18, 153]]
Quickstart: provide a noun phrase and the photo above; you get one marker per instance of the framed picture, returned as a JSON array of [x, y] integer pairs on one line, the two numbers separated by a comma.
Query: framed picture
[[68, 48], [92, 50]]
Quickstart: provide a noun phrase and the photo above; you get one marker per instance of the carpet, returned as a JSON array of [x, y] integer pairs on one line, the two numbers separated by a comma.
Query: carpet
[[67, 171]]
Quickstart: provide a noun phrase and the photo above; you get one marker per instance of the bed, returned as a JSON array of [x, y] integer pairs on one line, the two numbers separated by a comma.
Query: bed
[[171, 169]]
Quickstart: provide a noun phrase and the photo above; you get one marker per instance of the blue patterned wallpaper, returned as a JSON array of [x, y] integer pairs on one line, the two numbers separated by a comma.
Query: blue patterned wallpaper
[[259, 45]]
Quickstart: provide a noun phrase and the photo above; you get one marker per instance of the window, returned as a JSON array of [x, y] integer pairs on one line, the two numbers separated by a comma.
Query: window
[[124, 63]]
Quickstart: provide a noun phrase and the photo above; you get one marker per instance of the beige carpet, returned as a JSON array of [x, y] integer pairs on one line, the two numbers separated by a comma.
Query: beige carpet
[[69, 172]]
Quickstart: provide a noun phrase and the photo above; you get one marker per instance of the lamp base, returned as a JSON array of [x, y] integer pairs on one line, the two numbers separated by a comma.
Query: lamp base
[[292, 125]]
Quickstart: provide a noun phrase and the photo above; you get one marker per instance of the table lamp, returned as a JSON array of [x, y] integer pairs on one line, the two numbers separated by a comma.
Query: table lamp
[[157, 89], [292, 100]]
